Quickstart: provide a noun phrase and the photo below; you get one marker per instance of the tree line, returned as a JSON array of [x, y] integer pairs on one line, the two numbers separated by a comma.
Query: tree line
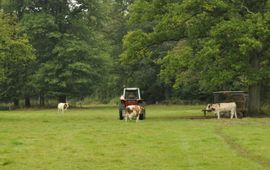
[[57, 48], [171, 49]]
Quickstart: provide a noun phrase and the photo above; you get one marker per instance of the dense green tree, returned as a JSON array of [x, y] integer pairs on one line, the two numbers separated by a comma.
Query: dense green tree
[[201, 46], [143, 47], [226, 47], [69, 46], [16, 58], [168, 48], [114, 30]]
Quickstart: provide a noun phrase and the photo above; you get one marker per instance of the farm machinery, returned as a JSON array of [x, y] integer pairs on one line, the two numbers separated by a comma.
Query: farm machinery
[[130, 96]]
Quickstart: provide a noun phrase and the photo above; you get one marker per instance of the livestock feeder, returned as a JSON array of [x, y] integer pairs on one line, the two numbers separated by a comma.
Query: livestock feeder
[[239, 97]]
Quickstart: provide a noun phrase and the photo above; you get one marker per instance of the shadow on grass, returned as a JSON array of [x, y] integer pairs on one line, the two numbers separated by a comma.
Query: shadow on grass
[[209, 117], [5, 162], [181, 117], [261, 115]]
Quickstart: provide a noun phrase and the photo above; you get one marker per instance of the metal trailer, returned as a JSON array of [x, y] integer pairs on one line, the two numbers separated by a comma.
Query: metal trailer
[[239, 97]]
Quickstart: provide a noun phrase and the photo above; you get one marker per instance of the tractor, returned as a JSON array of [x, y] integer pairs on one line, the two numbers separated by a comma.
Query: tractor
[[130, 96]]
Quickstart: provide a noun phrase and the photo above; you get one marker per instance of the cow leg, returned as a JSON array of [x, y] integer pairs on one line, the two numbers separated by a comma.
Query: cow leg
[[126, 117], [218, 115], [138, 116], [235, 113], [130, 116]]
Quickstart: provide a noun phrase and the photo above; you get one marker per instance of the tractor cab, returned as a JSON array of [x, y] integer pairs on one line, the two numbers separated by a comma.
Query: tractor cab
[[131, 96]]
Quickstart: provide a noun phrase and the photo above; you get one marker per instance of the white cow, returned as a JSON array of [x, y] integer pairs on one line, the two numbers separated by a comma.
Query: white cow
[[133, 111], [62, 107], [223, 107]]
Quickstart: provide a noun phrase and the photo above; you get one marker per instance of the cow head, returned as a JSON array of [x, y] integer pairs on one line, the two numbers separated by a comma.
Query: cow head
[[128, 109], [210, 107], [141, 109], [66, 106]]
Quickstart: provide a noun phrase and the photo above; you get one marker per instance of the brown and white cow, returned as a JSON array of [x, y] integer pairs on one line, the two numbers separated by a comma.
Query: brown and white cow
[[223, 107], [132, 111], [62, 107]]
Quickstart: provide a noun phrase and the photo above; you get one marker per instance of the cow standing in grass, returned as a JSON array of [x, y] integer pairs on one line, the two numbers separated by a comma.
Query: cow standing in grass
[[62, 107], [132, 111], [223, 107]]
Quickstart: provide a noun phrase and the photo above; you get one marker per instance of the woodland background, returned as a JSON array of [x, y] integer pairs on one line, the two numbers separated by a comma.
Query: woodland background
[[174, 50]]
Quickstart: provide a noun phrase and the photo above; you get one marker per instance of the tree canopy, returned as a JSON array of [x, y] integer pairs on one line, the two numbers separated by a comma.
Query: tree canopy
[[16, 58], [202, 46], [169, 48]]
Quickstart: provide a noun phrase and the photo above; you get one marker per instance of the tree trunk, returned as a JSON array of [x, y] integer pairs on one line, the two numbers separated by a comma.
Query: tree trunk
[[27, 102], [265, 93], [254, 104], [41, 100], [16, 102], [167, 94], [254, 90]]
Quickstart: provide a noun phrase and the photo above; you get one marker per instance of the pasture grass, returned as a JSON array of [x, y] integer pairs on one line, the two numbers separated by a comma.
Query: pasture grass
[[171, 137]]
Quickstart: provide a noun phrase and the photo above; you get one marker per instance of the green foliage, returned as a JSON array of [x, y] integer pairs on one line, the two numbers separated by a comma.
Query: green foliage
[[168, 48], [201, 46], [223, 44], [70, 56], [175, 63], [16, 58], [74, 70], [134, 47], [144, 45]]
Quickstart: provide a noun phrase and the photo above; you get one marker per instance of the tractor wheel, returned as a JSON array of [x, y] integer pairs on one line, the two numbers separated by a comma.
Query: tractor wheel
[[142, 116], [141, 103], [240, 114], [121, 109], [121, 115], [245, 114]]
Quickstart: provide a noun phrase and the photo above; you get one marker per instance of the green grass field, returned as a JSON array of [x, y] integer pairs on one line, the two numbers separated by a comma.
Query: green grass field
[[171, 137]]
